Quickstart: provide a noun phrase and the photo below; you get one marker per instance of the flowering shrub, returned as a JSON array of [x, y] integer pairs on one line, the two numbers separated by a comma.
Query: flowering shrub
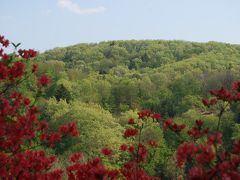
[[209, 160], [20, 126], [23, 135]]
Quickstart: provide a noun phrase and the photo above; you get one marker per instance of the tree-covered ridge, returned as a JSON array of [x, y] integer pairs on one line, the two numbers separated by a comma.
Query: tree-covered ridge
[[136, 54], [168, 77]]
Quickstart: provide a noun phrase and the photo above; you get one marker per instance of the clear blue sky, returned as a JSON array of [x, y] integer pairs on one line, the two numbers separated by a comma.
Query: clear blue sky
[[45, 24]]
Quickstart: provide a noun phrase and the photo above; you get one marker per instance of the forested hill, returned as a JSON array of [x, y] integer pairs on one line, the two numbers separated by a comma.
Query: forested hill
[[137, 54], [169, 77]]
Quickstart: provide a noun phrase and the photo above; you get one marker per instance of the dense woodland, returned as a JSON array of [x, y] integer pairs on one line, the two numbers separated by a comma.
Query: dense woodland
[[100, 86], [165, 76]]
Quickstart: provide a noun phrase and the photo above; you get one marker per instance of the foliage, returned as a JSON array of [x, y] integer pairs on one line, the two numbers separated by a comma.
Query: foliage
[[191, 140]]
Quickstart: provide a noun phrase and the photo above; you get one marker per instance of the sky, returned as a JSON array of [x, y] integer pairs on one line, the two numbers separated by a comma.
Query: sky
[[46, 24]]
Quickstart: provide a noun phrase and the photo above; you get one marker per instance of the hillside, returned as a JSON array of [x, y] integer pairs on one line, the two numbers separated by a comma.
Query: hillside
[[156, 75], [136, 54]]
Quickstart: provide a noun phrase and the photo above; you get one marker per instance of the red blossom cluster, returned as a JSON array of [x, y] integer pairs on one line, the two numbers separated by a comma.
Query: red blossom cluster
[[34, 68], [210, 102], [131, 149], [126, 148], [69, 129], [27, 54], [18, 129], [198, 131], [185, 152], [198, 161], [147, 114], [215, 138], [207, 160], [12, 68], [43, 80], [28, 165], [131, 121], [227, 95], [139, 152], [131, 171], [75, 157], [53, 137], [15, 127], [5, 42], [130, 132], [20, 126], [107, 151], [123, 147], [93, 169], [169, 124], [188, 152], [11, 72]]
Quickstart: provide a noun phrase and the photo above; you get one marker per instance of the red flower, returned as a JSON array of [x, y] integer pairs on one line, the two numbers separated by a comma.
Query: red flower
[[177, 128], [106, 151], [215, 138], [113, 174], [70, 129], [27, 54], [144, 114], [43, 125], [72, 126], [123, 147], [199, 123], [5, 57], [26, 101], [156, 116], [196, 173], [131, 149], [130, 121], [130, 132], [75, 157], [3, 71], [63, 129], [43, 137], [53, 137], [206, 155], [34, 68], [167, 123], [147, 113], [222, 94], [17, 70], [197, 131], [152, 143], [185, 152], [4, 41], [205, 102], [43, 80], [142, 153]]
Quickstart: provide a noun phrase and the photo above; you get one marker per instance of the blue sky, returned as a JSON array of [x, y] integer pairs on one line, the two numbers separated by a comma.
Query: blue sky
[[45, 24]]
